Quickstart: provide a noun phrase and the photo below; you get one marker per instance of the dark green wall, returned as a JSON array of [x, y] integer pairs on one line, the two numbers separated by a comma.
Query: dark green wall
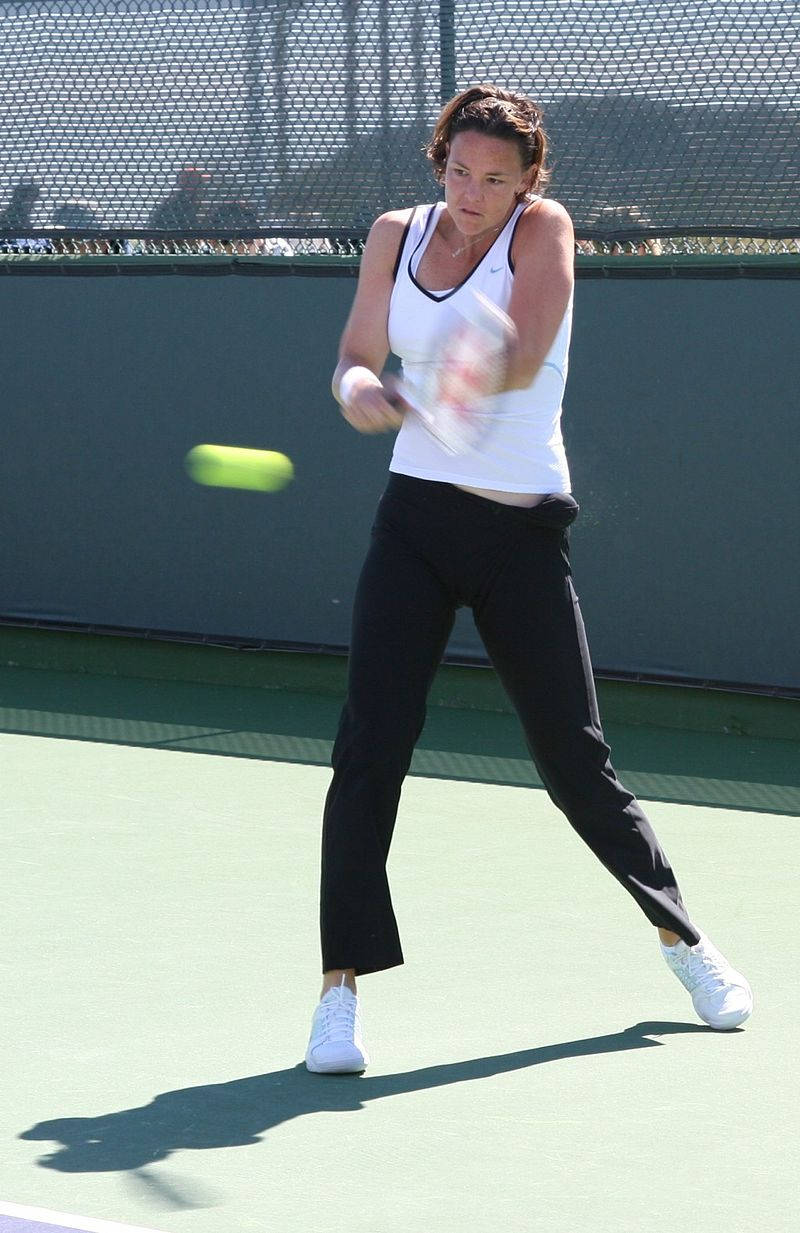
[[680, 419]]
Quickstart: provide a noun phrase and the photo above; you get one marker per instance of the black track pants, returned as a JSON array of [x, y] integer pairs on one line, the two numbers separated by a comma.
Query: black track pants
[[435, 548]]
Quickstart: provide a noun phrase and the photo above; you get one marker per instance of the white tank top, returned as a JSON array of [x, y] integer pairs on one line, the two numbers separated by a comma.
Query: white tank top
[[525, 450]]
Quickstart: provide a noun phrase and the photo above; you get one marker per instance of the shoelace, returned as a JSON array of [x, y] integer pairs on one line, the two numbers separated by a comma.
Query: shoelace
[[701, 971], [339, 1015]]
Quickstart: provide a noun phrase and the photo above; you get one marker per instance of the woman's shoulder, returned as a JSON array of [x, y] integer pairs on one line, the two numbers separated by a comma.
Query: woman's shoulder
[[543, 223], [394, 222], [544, 212], [386, 235]]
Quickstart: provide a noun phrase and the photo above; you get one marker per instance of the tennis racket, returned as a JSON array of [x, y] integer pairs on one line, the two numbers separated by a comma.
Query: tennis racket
[[455, 403]]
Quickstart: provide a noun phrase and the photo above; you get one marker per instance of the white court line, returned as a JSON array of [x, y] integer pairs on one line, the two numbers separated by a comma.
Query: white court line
[[86, 1225]]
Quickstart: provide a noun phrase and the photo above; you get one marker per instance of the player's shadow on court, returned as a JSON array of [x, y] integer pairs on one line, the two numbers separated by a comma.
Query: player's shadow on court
[[238, 1113]]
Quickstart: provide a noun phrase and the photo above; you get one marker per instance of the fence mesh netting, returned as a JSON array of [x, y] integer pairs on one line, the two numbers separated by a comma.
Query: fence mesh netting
[[185, 125]]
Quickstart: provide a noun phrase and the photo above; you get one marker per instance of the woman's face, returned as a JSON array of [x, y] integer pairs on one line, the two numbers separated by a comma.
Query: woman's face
[[482, 178]]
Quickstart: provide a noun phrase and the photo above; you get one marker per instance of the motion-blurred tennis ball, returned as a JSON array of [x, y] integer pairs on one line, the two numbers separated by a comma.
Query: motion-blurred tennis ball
[[230, 466]]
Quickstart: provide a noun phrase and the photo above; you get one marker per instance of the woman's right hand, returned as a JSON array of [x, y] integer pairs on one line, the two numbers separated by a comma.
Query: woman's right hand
[[368, 403], [370, 407]]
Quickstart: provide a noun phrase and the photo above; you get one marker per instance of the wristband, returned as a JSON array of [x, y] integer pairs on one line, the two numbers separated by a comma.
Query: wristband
[[349, 378]]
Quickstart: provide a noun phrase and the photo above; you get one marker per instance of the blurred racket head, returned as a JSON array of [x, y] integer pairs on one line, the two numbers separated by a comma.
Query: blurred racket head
[[456, 403]]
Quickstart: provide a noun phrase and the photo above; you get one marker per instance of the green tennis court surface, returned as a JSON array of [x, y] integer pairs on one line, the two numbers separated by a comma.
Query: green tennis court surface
[[535, 1065]]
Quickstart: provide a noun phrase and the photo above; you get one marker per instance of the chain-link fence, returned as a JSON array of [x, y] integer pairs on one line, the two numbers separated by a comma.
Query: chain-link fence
[[282, 128]]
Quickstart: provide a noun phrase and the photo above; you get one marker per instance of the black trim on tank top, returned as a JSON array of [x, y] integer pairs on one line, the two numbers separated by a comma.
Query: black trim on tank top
[[511, 242], [520, 216], [432, 213], [440, 298], [403, 239]]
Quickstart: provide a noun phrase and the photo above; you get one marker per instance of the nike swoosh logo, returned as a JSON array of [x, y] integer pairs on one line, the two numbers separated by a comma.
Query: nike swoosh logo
[[496, 269]]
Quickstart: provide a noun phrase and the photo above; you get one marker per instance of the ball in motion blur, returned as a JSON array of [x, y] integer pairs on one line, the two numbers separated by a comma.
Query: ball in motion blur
[[230, 466]]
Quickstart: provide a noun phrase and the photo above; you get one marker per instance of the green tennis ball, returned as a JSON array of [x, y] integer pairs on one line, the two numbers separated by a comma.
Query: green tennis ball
[[229, 466]]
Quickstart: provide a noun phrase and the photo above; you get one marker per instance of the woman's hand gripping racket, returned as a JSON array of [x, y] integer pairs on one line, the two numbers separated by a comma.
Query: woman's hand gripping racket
[[455, 403]]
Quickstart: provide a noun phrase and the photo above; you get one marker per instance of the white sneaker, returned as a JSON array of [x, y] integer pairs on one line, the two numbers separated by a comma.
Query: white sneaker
[[336, 1046], [721, 996]]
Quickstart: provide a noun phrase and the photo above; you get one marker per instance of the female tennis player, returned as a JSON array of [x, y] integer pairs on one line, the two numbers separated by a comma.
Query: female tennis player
[[484, 526]]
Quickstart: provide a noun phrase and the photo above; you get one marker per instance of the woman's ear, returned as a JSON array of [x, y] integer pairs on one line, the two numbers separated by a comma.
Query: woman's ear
[[525, 185], [442, 167]]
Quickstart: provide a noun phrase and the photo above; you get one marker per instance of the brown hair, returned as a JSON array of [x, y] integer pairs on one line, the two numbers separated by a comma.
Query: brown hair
[[498, 113]]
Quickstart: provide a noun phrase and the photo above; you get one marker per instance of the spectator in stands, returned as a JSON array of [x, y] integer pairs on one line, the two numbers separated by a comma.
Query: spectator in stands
[[17, 218], [18, 213], [615, 218], [76, 215], [183, 209], [234, 215]]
